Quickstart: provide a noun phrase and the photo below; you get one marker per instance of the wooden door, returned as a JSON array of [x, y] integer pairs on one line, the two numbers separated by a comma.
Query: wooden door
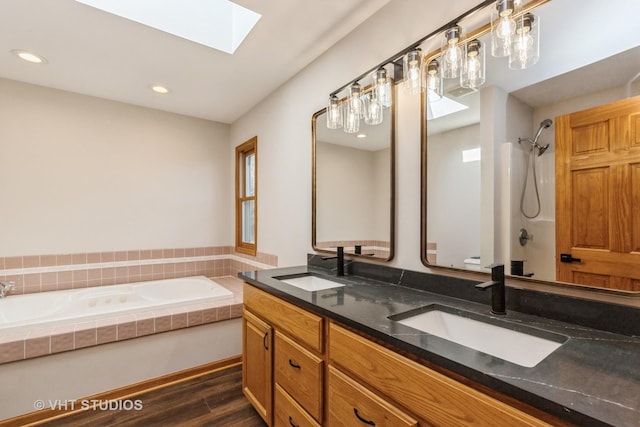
[[598, 196], [257, 356]]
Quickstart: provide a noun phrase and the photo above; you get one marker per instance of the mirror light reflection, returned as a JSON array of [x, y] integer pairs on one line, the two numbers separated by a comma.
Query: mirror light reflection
[[473, 210]]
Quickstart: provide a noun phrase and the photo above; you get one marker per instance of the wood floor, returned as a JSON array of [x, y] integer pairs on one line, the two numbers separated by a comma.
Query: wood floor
[[210, 400]]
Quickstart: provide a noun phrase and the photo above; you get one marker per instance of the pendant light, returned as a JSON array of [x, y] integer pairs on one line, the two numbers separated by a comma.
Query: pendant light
[[473, 74], [372, 108], [435, 87], [382, 87], [451, 52], [334, 113], [525, 51], [503, 27], [353, 109], [412, 65]]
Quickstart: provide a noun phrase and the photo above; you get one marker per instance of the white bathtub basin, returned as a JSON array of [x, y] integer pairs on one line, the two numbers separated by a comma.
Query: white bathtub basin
[[516, 347], [310, 283]]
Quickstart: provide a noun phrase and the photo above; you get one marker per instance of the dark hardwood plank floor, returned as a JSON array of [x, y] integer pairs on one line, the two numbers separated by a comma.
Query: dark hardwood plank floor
[[210, 400]]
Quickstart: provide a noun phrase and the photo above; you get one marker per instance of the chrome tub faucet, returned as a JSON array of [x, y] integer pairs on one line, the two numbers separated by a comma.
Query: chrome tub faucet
[[5, 287]]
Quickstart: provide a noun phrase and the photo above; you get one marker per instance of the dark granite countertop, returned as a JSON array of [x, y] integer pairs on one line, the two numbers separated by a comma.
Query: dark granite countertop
[[592, 379]]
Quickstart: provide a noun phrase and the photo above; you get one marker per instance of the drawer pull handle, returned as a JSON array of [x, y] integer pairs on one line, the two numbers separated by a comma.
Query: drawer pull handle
[[293, 365], [265, 343], [369, 422], [292, 423]]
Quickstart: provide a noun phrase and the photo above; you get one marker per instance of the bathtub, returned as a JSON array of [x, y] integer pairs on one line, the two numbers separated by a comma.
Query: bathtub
[[82, 304]]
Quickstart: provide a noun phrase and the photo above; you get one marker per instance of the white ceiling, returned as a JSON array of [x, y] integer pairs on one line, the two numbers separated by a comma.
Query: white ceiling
[[95, 53]]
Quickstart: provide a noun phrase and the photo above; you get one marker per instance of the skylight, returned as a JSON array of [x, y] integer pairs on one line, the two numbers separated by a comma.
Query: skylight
[[443, 107], [220, 24]]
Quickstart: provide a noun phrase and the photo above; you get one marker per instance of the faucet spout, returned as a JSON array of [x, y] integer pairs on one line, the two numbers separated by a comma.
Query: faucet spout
[[498, 289], [5, 287], [339, 260]]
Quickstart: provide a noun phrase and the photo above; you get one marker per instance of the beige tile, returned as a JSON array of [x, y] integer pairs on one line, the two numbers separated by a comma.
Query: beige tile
[[79, 258], [61, 342], [93, 258], [107, 257], [146, 254], [209, 251], [94, 274], [108, 333], [235, 311], [126, 330], [200, 251], [133, 255], [168, 253], [224, 313], [2, 263], [85, 338], [12, 351], [210, 315], [35, 347], [156, 254], [120, 256], [163, 323], [190, 252], [31, 261], [13, 262], [194, 318], [179, 320], [145, 327]]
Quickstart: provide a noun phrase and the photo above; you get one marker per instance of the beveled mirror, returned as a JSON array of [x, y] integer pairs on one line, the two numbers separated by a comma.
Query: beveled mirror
[[354, 187], [490, 195]]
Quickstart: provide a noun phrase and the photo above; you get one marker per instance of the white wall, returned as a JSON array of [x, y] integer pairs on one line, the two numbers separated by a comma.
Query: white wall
[[282, 123], [453, 212], [83, 174]]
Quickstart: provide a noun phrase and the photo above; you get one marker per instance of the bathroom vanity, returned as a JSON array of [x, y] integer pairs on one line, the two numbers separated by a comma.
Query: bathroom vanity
[[343, 355]]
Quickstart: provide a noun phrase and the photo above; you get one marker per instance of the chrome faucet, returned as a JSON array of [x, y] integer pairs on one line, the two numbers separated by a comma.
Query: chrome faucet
[[339, 260], [498, 290], [6, 287]]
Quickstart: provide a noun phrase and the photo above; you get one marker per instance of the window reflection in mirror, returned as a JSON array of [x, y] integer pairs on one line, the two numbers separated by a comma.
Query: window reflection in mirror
[[353, 187], [473, 215]]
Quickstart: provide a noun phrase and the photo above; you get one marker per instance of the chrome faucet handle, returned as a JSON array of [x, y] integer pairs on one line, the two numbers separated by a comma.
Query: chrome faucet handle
[[5, 287]]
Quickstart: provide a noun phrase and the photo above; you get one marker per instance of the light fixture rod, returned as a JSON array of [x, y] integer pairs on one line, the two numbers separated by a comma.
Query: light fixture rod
[[415, 44]]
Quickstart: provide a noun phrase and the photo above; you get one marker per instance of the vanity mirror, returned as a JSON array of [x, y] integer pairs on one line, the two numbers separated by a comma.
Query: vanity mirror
[[353, 187], [491, 195]]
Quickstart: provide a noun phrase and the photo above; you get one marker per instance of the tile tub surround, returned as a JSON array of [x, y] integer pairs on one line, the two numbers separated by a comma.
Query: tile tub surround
[[27, 342], [591, 380], [378, 248], [42, 273]]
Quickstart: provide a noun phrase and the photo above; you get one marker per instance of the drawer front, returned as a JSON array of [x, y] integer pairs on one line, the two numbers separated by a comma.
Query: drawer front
[[287, 413], [299, 372], [350, 404], [297, 322], [430, 395]]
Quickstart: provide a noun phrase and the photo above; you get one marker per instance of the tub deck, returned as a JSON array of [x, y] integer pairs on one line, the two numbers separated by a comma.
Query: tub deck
[[34, 341]]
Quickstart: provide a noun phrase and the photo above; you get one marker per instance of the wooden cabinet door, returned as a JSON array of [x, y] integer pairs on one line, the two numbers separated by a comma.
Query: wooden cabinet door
[[257, 356], [598, 196]]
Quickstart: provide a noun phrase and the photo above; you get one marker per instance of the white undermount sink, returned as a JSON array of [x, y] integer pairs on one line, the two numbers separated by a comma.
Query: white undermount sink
[[516, 347], [310, 283]]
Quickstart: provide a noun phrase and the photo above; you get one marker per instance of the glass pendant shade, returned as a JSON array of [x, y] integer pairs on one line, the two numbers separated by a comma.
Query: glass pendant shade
[[354, 103], [412, 71], [334, 113], [503, 27], [382, 87], [435, 87], [372, 108], [473, 72], [451, 53], [351, 121], [525, 51]]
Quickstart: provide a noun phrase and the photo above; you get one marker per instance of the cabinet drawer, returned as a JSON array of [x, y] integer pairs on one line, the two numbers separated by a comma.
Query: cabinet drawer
[[298, 323], [287, 413], [430, 395], [351, 404], [299, 372]]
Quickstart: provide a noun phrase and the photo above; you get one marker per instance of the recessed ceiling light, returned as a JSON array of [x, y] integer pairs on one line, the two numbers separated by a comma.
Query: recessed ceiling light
[[162, 90], [29, 56], [361, 135]]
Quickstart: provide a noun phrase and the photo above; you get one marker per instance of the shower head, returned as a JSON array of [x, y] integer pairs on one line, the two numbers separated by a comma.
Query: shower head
[[543, 125], [541, 148]]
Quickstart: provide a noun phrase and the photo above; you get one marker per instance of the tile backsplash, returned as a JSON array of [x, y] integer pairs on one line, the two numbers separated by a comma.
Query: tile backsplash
[[41, 273]]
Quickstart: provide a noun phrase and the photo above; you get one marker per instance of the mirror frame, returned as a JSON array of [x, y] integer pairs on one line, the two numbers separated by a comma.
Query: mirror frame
[[392, 181], [480, 31]]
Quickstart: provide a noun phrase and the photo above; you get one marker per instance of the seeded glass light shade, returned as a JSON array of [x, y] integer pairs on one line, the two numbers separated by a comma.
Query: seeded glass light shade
[[354, 102], [372, 108], [382, 87], [526, 45], [412, 71], [351, 121], [473, 73], [451, 59], [503, 27], [435, 88], [334, 113]]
